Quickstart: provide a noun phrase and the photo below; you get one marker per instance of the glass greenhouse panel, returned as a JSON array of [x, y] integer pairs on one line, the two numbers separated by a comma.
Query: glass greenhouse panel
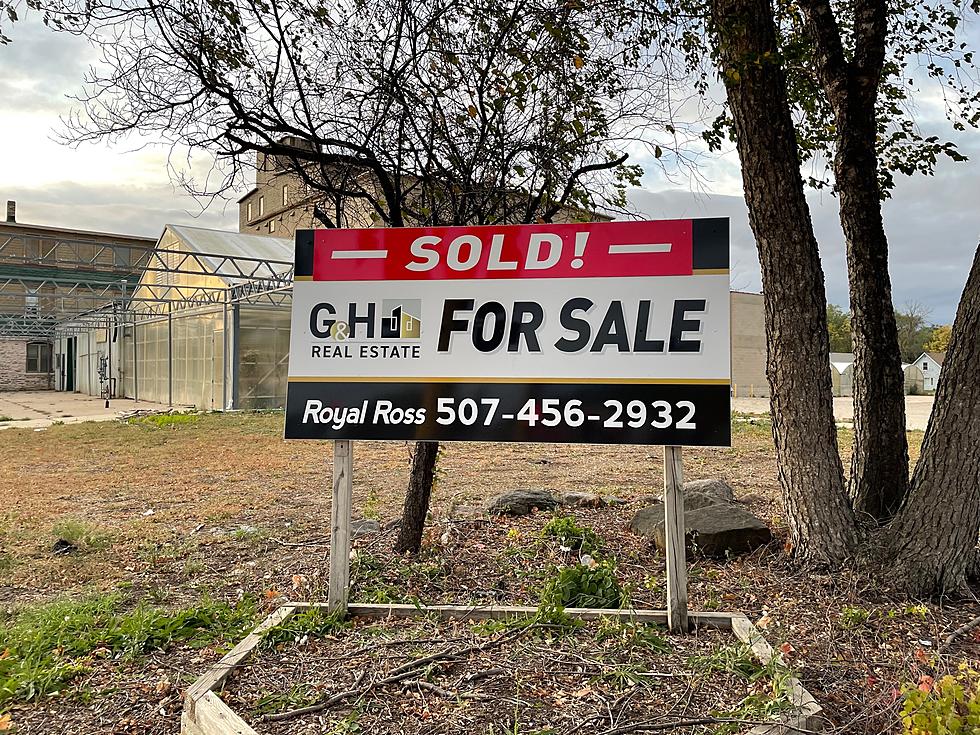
[[263, 353]]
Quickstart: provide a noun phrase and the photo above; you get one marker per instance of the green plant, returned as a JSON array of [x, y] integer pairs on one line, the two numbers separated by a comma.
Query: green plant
[[6, 418], [585, 585], [737, 659], [81, 535], [314, 622], [950, 706], [571, 535], [853, 617], [248, 534], [300, 695], [372, 505], [7, 562], [46, 646], [632, 635], [622, 676], [164, 420]]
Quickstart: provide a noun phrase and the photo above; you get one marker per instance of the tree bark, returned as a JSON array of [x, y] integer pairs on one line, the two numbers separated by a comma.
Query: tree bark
[[931, 545], [880, 461], [417, 497], [810, 473]]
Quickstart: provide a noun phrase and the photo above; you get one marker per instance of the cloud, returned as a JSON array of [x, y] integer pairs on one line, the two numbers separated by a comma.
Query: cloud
[[123, 209]]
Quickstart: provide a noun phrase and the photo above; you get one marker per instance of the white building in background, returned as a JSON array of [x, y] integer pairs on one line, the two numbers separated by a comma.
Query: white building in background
[[931, 365]]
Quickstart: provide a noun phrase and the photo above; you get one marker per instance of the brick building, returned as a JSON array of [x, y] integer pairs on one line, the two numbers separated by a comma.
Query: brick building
[[46, 272], [25, 364]]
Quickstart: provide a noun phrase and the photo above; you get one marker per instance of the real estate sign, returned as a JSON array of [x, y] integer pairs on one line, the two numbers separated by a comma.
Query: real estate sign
[[614, 332]]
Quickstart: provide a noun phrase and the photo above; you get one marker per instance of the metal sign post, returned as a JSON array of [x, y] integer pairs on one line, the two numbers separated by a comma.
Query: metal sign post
[[674, 540]]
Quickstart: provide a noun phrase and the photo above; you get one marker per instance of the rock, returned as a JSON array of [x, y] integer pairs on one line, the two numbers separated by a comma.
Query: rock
[[718, 489], [590, 500], [63, 547], [646, 519], [364, 527], [714, 530], [522, 502]]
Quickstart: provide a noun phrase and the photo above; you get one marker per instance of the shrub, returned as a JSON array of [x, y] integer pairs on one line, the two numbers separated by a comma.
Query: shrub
[[571, 535], [948, 707], [584, 585]]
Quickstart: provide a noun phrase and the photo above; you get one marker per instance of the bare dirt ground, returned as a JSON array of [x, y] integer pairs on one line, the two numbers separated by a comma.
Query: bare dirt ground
[[219, 506]]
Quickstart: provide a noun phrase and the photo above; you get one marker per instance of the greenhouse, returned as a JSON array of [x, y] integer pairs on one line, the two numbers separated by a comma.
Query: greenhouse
[[206, 325]]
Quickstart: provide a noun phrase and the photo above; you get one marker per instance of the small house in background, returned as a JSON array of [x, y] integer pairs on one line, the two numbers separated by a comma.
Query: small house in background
[[842, 373], [931, 364], [914, 380]]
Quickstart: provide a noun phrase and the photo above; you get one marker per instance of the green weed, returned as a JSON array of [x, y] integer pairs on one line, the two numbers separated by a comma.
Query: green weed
[[853, 617], [585, 585], [571, 535], [300, 695], [314, 622], [46, 646], [81, 535], [632, 635]]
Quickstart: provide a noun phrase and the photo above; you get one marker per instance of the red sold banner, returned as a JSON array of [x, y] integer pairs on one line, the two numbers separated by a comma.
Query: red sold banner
[[587, 250]]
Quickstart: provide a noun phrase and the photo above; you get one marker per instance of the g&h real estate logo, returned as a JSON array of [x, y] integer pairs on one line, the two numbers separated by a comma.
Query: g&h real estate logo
[[393, 319]]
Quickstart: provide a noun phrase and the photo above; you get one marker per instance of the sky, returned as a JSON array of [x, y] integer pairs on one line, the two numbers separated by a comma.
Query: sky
[[933, 223]]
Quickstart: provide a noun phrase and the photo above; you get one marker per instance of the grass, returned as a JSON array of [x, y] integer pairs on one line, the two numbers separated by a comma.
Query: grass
[[46, 646], [6, 418], [313, 622], [166, 420], [81, 535]]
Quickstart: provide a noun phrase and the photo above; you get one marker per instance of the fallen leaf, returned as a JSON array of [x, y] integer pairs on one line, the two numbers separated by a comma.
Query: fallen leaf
[[5, 654], [921, 656], [787, 648], [5, 722], [925, 683]]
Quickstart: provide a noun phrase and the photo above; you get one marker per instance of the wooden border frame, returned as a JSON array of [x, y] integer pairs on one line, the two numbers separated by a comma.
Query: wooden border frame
[[205, 714]]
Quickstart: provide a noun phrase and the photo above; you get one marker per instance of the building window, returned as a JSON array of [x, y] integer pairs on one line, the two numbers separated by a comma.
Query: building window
[[925, 366], [38, 357], [248, 212], [272, 225], [261, 206], [285, 195]]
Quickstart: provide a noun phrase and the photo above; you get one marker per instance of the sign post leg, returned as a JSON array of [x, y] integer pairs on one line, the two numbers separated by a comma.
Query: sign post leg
[[674, 536], [340, 509]]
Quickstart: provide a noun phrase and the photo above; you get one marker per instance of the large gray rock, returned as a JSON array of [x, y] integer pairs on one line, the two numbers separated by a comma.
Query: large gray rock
[[364, 527], [522, 502], [718, 489], [716, 530], [646, 519], [590, 500]]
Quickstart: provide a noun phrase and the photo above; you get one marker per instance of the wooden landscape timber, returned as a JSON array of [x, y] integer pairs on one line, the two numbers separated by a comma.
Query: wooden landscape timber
[[206, 714]]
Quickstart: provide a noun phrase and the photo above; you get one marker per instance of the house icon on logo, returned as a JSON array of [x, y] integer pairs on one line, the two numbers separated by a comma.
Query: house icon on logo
[[401, 319]]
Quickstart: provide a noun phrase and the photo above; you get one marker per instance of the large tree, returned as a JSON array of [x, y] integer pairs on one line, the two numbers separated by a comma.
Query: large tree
[[933, 538], [392, 112]]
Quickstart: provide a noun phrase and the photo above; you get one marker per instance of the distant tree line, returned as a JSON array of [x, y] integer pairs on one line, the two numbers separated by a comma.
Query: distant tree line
[[915, 334]]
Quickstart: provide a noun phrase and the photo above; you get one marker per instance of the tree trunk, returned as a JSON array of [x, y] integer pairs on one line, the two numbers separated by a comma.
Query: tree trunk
[[798, 368], [880, 461], [931, 545], [417, 497]]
